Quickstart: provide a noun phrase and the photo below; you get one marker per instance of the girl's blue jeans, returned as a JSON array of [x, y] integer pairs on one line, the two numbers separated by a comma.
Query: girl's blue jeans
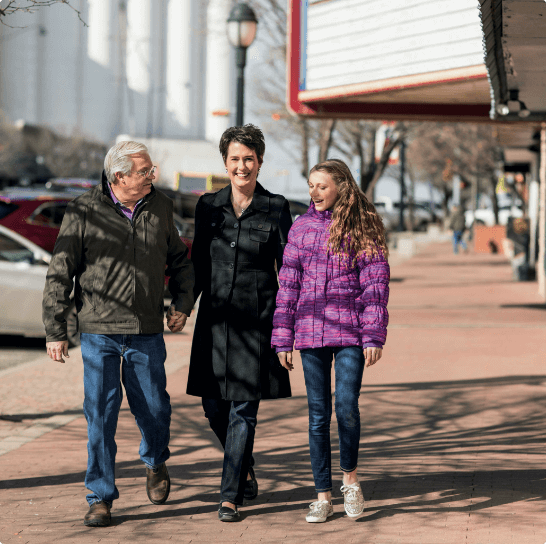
[[137, 361], [317, 369]]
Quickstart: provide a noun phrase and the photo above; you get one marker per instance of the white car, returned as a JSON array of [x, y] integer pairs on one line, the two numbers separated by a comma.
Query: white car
[[390, 213], [23, 269], [485, 216]]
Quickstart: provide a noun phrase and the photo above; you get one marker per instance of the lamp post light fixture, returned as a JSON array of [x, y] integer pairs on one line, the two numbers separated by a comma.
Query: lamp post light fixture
[[503, 109], [241, 31]]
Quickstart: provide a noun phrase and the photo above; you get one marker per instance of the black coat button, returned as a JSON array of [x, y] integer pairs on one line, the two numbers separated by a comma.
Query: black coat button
[[236, 226], [213, 224], [231, 265], [232, 244]]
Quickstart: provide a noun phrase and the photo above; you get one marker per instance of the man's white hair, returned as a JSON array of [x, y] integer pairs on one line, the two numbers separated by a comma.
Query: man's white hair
[[118, 158]]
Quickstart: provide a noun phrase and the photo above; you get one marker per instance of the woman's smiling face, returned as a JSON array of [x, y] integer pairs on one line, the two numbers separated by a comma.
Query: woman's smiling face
[[322, 190], [242, 165]]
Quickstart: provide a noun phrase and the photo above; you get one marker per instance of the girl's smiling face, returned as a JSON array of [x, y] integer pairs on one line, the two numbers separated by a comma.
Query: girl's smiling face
[[323, 191]]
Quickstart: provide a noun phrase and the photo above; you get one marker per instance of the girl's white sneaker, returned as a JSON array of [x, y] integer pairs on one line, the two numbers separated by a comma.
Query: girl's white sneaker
[[353, 499], [319, 511]]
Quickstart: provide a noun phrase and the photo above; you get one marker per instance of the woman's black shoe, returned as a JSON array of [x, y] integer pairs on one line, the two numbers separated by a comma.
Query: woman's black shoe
[[225, 513], [251, 486]]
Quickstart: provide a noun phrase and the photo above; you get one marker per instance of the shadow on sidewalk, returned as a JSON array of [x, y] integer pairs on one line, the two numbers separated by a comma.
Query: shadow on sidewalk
[[539, 306], [455, 491], [21, 417], [450, 446]]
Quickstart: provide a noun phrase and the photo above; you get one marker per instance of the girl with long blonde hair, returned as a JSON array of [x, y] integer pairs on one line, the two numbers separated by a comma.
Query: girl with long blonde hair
[[332, 304]]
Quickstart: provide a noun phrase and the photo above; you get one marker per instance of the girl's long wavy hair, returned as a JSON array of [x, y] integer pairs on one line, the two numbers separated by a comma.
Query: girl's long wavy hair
[[356, 227]]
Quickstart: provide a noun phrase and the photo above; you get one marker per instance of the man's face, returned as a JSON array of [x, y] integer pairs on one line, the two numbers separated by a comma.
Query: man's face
[[138, 183]]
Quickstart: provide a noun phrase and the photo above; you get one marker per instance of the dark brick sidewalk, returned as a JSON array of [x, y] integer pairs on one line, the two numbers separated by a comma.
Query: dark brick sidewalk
[[452, 447]]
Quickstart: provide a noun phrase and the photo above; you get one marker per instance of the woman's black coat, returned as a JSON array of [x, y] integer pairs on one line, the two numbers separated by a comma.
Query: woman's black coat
[[234, 260]]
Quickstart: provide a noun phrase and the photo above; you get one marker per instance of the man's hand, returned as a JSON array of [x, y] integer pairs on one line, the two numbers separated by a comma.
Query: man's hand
[[372, 355], [56, 350], [285, 358], [176, 321]]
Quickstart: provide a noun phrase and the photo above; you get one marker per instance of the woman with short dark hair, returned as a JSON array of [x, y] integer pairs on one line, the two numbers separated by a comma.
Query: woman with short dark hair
[[240, 234]]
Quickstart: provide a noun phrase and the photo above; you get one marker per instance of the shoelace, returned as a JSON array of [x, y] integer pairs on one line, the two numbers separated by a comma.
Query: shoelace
[[315, 506], [351, 490]]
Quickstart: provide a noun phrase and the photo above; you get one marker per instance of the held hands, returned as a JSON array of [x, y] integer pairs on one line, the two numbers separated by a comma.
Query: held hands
[[285, 358], [372, 355], [56, 350], [176, 321]]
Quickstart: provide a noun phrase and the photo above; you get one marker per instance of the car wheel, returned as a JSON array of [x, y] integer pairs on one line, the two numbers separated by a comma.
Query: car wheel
[[72, 327]]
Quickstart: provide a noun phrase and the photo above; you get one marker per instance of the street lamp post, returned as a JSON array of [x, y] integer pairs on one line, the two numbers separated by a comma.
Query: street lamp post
[[241, 30], [402, 160]]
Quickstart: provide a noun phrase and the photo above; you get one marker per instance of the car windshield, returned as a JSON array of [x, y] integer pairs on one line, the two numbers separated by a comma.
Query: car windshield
[[13, 251], [50, 214], [6, 208]]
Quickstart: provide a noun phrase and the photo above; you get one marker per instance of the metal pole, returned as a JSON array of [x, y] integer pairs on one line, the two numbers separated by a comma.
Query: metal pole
[[240, 61], [541, 264], [402, 183]]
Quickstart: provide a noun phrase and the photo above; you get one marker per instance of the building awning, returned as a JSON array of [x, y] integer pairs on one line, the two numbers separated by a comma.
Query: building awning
[[513, 34], [457, 90]]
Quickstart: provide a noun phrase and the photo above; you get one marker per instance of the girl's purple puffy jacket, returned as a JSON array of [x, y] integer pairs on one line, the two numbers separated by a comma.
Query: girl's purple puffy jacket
[[322, 301]]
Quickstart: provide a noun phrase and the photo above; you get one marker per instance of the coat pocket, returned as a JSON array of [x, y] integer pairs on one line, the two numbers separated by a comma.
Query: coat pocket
[[216, 228], [259, 231]]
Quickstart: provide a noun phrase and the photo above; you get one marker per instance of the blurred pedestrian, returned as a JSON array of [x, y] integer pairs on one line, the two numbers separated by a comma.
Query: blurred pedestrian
[[117, 241], [332, 304], [457, 225], [240, 234]]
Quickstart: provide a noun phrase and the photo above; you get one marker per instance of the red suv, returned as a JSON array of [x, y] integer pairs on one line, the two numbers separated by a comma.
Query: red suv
[[37, 218]]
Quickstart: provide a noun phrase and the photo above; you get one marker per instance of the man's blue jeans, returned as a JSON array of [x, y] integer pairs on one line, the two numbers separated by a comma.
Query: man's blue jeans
[[137, 361], [234, 423], [317, 369]]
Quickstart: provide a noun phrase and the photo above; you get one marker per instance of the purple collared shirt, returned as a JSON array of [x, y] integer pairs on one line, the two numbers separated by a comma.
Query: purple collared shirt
[[126, 211]]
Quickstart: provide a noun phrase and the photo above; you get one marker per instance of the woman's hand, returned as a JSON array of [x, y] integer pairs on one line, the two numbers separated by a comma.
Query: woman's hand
[[285, 358], [372, 355], [176, 321]]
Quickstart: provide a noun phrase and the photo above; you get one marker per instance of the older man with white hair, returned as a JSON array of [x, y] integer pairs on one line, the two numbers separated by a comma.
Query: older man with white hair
[[116, 243]]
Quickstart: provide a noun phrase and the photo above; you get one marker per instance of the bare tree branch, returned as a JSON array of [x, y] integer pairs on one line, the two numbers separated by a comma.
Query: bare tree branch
[[440, 151], [30, 6]]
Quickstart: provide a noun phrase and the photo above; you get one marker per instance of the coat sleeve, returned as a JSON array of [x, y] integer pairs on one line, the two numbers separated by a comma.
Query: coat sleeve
[[285, 222], [180, 270], [65, 261], [200, 252], [372, 303], [290, 280]]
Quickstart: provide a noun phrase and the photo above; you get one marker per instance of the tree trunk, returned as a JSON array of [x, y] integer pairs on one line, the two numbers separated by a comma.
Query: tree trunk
[[327, 127], [493, 179], [383, 162], [304, 148], [411, 200], [368, 166], [445, 206], [397, 135]]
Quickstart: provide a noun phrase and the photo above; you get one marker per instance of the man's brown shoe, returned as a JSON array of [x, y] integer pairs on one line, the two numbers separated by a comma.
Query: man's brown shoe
[[158, 484], [98, 515]]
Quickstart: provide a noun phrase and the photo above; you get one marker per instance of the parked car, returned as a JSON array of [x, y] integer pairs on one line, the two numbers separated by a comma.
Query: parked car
[[37, 215], [37, 218], [485, 216], [23, 269], [297, 208], [390, 213]]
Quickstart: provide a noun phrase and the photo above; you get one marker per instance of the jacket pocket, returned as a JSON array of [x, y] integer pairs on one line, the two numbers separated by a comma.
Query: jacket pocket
[[216, 228], [259, 231], [152, 227]]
